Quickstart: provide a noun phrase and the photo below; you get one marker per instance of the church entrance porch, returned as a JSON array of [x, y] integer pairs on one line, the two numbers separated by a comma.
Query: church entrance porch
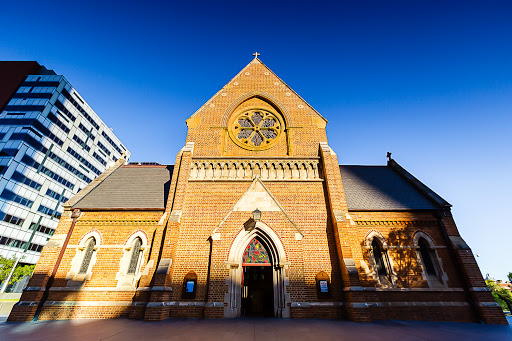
[[257, 278], [257, 281]]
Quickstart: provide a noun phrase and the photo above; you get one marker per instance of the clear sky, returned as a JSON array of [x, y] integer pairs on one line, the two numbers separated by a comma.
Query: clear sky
[[429, 81]]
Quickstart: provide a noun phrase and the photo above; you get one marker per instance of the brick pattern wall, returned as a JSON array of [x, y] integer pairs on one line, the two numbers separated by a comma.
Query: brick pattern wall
[[314, 228], [208, 126]]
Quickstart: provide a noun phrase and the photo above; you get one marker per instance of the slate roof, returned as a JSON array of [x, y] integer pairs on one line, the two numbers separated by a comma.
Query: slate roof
[[130, 187], [367, 188], [382, 188]]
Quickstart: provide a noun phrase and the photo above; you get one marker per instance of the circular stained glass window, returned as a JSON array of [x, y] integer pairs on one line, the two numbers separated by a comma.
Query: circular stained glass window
[[256, 129]]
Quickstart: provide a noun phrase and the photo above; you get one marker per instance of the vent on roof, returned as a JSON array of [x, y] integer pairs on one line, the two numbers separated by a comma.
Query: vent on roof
[[145, 163]]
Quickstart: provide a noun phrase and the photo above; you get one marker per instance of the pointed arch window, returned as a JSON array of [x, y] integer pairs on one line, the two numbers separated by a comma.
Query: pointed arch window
[[134, 259], [256, 253], [426, 257], [89, 249], [380, 259]]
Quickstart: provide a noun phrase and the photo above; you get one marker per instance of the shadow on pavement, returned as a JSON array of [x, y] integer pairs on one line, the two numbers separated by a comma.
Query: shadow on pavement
[[249, 329]]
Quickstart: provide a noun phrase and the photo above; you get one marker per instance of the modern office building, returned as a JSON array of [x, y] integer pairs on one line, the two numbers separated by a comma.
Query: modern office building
[[52, 144]]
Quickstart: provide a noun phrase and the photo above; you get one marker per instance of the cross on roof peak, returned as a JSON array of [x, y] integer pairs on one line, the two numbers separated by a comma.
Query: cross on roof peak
[[256, 54]]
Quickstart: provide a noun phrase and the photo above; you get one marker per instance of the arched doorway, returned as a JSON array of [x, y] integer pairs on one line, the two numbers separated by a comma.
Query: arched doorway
[[257, 281], [275, 274]]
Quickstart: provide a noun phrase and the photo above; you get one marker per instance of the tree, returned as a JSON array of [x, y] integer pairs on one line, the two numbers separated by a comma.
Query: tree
[[501, 295], [510, 277], [21, 271]]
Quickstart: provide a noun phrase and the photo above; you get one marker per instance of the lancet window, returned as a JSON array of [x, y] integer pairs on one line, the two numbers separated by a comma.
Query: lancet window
[[426, 257], [89, 250], [134, 259], [381, 262]]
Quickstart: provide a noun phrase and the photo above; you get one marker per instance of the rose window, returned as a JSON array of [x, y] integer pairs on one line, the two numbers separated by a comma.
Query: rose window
[[256, 129]]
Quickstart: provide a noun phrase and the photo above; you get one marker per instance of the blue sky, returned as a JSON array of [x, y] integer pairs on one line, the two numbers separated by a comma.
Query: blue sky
[[429, 81]]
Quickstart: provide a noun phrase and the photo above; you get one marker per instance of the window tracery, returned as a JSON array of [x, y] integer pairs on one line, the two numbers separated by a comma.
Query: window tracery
[[380, 262], [256, 129], [131, 267], [83, 262], [428, 259]]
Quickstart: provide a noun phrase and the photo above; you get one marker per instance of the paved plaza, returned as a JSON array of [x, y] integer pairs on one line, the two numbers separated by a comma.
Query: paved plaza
[[249, 329]]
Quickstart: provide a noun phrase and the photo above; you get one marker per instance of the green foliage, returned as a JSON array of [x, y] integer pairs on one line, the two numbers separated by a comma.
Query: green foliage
[[501, 295], [510, 277], [6, 265], [21, 271]]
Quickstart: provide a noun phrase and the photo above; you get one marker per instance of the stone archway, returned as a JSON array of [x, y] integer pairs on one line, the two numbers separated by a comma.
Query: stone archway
[[234, 280]]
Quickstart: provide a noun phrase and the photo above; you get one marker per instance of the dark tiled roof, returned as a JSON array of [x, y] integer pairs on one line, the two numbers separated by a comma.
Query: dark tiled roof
[[381, 188], [131, 187]]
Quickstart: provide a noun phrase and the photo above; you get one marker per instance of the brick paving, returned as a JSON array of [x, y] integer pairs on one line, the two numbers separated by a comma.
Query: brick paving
[[249, 329]]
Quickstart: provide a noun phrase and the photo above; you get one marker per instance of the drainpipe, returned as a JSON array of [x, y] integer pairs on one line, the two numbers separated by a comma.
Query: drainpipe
[[281, 302], [74, 215], [439, 215], [207, 291]]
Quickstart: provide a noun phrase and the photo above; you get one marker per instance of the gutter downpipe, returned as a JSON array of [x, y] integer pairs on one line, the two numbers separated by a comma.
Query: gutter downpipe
[[74, 215]]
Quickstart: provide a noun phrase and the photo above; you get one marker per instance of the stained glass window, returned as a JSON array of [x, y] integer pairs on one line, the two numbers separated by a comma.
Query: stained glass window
[[89, 249], [256, 129], [255, 253], [132, 268]]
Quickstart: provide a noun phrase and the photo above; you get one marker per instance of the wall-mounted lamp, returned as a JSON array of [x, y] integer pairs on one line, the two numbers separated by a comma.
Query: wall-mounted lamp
[[256, 215]]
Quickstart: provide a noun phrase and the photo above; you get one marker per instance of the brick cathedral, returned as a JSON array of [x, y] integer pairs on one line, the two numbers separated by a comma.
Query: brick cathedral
[[257, 218]]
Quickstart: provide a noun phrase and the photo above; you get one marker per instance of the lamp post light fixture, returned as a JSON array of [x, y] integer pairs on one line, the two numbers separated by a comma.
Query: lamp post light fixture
[[256, 215]]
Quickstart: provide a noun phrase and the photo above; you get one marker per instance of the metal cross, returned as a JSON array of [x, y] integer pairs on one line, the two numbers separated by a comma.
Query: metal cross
[[256, 54]]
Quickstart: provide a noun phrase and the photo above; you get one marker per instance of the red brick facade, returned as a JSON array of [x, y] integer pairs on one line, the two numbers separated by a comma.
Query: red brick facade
[[305, 224]]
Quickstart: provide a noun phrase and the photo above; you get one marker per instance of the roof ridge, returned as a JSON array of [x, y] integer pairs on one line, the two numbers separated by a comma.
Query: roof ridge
[[218, 92], [418, 184], [363, 166], [145, 166], [289, 87]]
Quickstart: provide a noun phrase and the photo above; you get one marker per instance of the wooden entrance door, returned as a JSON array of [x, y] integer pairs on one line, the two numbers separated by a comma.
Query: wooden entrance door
[[257, 281], [257, 291]]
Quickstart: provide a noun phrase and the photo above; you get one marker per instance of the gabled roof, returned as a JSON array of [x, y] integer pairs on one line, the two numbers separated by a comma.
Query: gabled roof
[[367, 188], [257, 60], [384, 188], [130, 187]]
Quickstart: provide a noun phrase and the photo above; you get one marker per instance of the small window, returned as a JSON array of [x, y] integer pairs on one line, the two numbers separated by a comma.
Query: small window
[[89, 249], [380, 262], [426, 257], [134, 259]]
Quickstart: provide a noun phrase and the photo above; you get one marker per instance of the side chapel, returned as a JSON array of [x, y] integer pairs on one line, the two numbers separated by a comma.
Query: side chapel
[[257, 218]]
